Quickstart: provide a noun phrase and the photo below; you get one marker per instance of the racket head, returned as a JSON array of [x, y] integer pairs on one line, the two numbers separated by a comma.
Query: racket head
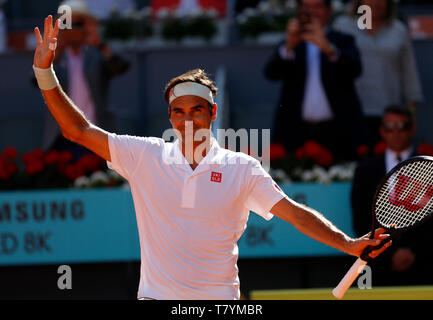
[[405, 196]]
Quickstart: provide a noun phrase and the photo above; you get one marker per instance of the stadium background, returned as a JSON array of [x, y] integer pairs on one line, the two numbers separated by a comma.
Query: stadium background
[[137, 102]]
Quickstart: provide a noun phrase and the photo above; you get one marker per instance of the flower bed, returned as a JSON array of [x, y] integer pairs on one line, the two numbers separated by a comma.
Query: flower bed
[[314, 163], [53, 169]]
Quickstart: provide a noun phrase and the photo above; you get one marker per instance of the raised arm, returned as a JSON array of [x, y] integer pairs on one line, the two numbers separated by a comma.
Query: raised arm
[[72, 122], [316, 226]]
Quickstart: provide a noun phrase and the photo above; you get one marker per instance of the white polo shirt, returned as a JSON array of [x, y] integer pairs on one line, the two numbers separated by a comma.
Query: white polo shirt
[[189, 221]]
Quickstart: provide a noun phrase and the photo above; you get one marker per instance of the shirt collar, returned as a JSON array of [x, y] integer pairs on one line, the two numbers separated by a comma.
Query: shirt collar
[[405, 154], [391, 157], [212, 158]]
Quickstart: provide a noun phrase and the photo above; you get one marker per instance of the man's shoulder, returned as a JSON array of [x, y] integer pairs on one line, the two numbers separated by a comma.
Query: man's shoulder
[[138, 140], [234, 157], [340, 36]]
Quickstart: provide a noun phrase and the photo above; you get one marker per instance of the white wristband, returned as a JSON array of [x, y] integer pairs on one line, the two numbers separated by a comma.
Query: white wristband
[[46, 78]]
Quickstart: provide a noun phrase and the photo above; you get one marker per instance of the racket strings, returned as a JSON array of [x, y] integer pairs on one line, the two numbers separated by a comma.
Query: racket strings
[[407, 196]]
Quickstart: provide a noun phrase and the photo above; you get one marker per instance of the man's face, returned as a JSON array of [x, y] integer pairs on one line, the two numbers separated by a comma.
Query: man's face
[[397, 132], [318, 10], [191, 110], [75, 36]]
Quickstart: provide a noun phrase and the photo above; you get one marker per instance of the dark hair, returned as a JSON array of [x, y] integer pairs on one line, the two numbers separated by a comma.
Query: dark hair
[[326, 2], [396, 109], [390, 9], [195, 75]]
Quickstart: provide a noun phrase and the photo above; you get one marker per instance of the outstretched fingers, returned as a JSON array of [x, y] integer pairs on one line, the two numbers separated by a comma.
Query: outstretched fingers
[[55, 31], [38, 35]]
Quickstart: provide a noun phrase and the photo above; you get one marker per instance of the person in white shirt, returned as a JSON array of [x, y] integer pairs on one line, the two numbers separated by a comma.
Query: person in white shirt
[[192, 198]]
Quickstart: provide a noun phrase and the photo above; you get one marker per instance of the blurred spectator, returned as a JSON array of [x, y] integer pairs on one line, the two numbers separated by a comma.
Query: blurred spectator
[[187, 6], [84, 66], [406, 261], [101, 9], [318, 100], [390, 75], [3, 29]]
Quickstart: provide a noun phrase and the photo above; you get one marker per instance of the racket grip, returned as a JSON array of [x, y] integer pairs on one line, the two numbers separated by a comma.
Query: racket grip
[[345, 283]]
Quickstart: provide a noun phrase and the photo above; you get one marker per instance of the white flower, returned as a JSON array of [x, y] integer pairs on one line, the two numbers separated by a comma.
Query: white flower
[[280, 174], [342, 172], [82, 182], [335, 172], [114, 175], [307, 176], [99, 177], [321, 175], [126, 186]]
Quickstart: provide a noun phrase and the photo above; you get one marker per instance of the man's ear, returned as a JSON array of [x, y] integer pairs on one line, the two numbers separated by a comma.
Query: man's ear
[[169, 113], [214, 112]]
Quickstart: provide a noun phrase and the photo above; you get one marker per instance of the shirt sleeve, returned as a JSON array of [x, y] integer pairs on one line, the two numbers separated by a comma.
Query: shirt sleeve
[[127, 152], [263, 191]]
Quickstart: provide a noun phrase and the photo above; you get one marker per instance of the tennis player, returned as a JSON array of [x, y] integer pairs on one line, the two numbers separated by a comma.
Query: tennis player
[[192, 198]]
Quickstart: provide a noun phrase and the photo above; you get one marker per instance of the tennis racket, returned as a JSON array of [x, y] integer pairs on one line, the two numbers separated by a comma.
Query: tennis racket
[[403, 201]]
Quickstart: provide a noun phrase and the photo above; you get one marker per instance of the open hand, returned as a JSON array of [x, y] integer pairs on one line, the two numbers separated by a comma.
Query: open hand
[[46, 46]]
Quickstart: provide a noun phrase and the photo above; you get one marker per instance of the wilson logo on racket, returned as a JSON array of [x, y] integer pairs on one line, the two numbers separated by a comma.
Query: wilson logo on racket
[[416, 188]]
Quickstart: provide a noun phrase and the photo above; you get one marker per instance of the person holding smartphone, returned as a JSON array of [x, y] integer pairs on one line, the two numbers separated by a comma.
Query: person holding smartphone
[[85, 65], [317, 66]]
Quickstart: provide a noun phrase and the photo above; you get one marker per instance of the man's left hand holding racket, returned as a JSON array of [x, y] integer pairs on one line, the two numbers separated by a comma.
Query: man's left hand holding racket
[[379, 235]]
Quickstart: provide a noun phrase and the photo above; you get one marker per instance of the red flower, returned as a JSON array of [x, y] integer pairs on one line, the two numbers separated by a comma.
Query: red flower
[[10, 152], [299, 153], [73, 171], [64, 156], [425, 149], [379, 148], [277, 151], [51, 157], [362, 150], [90, 163], [312, 149], [34, 161], [316, 152], [35, 166], [324, 159]]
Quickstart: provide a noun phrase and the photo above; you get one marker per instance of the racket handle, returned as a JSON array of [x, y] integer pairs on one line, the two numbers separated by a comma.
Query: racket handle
[[349, 278]]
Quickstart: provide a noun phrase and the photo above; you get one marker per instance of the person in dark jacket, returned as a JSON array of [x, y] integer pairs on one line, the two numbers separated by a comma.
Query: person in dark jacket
[[317, 67], [409, 258]]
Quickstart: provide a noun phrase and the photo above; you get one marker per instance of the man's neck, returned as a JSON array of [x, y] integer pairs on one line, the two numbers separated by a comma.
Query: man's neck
[[195, 151]]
